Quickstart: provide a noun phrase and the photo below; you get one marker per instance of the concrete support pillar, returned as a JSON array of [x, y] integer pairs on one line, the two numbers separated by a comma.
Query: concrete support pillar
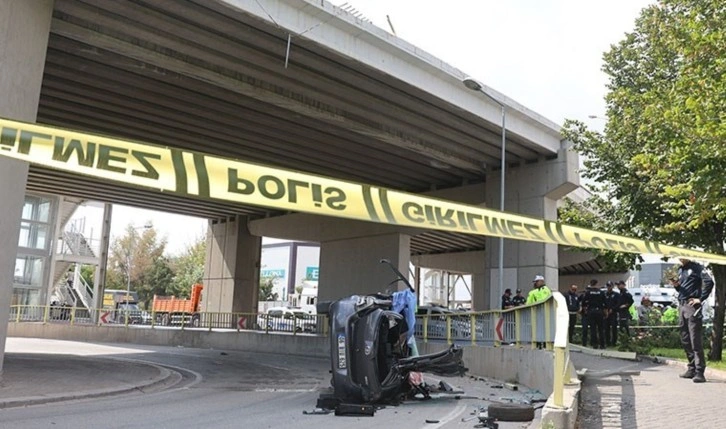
[[530, 190], [352, 266], [232, 269], [24, 30]]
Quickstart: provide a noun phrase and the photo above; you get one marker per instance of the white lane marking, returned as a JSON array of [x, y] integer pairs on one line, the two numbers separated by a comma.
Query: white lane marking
[[447, 418]]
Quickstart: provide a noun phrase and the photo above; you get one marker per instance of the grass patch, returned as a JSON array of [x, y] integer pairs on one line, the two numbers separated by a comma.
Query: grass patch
[[679, 354]]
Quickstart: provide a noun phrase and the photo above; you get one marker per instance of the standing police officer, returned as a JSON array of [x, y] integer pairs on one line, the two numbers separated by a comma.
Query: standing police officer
[[593, 304], [625, 302], [694, 286], [573, 307], [518, 299], [612, 300]]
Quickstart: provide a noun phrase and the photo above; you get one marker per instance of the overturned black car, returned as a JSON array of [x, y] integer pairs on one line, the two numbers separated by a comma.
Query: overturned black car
[[370, 350]]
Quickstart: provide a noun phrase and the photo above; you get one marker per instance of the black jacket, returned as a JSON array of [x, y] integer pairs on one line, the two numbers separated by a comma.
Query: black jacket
[[593, 300], [506, 302], [518, 300], [626, 299], [693, 282], [612, 301], [573, 302]]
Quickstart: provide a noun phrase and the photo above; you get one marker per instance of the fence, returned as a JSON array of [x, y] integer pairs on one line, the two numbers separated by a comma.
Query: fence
[[520, 326], [297, 324]]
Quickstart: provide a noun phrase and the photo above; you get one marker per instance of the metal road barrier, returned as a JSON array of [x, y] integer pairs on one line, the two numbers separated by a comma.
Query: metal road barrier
[[292, 323], [526, 325]]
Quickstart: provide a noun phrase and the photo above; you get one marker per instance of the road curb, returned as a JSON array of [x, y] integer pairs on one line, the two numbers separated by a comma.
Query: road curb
[[164, 375], [710, 373]]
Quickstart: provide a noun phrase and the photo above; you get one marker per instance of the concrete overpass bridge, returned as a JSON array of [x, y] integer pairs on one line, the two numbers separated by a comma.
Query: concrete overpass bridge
[[297, 84]]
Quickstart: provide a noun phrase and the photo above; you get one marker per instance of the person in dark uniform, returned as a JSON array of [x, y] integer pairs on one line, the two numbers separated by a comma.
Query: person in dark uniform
[[593, 304], [518, 299], [573, 307], [625, 300], [612, 300], [507, 299], [694, 285]]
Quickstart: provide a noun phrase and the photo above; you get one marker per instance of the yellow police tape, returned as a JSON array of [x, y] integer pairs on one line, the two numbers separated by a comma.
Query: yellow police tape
[[195, 174]]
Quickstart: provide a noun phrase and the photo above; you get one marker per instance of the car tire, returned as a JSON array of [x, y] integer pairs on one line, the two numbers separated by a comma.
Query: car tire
[[165, 319], [195, 321], [511, 412]]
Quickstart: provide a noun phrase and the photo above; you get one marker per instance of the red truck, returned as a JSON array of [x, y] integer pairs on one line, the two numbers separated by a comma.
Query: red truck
[[170, 310]]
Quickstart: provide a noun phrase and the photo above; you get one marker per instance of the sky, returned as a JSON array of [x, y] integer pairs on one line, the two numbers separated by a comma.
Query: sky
[[545, 54]]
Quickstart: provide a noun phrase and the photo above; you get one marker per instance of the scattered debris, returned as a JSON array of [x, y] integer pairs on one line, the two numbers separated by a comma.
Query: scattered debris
[[497, 386], [224, 353], [355, 410], [317, 411], [431, 421], [509, 412], [511, 386], [586, 373]]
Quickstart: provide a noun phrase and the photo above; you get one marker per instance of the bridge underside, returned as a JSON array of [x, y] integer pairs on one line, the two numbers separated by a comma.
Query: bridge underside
[[204, 76]]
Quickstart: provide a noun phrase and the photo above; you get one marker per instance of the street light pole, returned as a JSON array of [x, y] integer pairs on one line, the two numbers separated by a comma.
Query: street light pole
[[474, 85]]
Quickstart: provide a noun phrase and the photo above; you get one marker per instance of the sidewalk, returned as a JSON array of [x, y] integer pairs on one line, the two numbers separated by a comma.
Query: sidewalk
[[657, 398], [30, 378]]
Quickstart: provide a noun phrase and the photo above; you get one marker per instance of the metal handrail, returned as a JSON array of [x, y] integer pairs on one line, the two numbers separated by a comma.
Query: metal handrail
[[527, 324]]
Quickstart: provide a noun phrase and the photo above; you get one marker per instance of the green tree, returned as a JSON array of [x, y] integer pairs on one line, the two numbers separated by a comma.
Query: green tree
[[593, 214], [155, 281], [660, 160], [267, 285], [88, 272], [188, 268], [134, 256]]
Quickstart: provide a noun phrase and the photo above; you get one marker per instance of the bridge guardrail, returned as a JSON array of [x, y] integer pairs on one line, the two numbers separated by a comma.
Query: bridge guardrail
[[520, 326]]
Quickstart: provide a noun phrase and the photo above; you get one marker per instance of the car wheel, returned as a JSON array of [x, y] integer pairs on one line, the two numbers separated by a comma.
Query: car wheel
[[165, 320], [511, 412], [195, 321]]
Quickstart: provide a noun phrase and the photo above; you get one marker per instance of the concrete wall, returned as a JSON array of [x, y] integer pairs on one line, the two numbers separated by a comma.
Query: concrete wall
[[301, 345], [530, 367], [351, 266]]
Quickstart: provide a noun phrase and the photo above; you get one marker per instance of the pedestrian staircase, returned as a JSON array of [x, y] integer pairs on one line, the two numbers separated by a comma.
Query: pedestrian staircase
[[73, 250]]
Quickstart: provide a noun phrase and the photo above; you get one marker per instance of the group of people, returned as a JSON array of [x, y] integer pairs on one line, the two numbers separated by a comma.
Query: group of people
[[603, 313], [539, 292]]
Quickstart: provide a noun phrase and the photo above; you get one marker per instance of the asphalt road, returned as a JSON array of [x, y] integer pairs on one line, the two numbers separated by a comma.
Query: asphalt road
[[231, 389]]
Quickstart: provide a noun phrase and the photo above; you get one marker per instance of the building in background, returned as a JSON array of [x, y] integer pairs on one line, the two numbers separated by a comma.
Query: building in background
[[292, 265]]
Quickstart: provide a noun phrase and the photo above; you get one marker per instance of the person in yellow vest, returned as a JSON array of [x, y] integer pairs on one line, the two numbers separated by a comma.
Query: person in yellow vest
[[670, 315], [540, 292]]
